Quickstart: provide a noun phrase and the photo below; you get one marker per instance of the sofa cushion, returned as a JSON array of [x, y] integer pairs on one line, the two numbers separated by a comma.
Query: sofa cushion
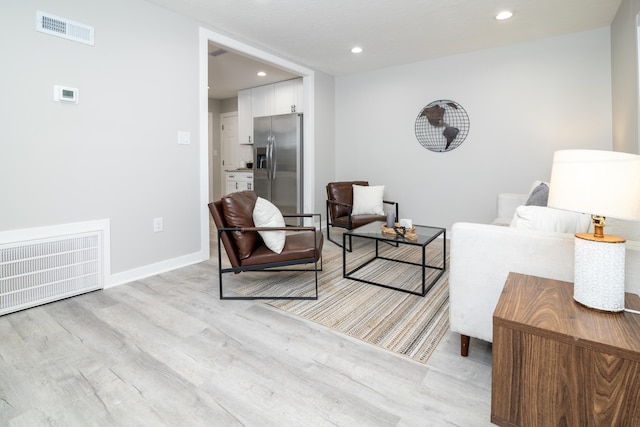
[[541, 218], [538, 195], [367, 200], [266, 214], [238, 212]]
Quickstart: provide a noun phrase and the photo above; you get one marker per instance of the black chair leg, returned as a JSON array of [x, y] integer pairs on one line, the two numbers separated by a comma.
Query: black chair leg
[[335, 242]]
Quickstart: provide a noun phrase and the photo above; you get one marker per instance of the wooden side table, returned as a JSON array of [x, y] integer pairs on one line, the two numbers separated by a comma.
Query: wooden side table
[[556, 362]]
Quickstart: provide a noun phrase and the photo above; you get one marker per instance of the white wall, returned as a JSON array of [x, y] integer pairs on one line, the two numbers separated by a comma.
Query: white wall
[[624, 71], [524, 102], [324, 147], [115, 154]]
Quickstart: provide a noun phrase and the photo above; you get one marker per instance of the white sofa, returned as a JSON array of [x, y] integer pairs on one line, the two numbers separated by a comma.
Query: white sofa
[[482, 255]]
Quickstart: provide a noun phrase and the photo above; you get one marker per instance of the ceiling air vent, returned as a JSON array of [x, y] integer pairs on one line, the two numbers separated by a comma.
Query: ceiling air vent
[[218, 52], [64, 28]]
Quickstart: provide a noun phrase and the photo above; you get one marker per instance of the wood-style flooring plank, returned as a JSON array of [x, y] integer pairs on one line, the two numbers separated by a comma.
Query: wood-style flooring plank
[[165, 351]]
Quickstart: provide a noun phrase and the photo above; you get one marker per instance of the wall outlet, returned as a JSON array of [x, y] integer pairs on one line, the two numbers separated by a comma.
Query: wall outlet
[[157, 225]]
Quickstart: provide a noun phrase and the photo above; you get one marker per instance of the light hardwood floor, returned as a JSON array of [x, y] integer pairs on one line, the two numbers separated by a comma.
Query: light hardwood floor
[[165, 351]]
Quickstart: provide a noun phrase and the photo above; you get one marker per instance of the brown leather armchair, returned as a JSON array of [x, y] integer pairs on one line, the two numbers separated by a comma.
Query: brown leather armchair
[[246, 249], [340, 206]]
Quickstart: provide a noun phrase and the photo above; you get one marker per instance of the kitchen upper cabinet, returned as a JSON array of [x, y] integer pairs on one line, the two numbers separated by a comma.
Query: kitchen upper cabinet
[[288, 97], [278, 98], [245, 117], [262, 100]]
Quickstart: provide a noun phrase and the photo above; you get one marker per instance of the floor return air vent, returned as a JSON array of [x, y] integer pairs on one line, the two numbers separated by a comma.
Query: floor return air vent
[[42, 265]]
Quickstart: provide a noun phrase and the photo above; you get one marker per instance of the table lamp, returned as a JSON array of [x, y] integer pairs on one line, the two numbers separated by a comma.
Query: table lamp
[[603, 184]]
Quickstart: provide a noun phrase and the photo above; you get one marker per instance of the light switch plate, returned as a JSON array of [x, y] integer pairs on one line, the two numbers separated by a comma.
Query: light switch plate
[[184, 138]]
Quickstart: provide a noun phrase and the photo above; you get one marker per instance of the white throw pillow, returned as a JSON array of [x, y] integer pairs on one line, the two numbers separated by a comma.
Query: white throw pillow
[[542, 218], [266, 214], [367, 200]]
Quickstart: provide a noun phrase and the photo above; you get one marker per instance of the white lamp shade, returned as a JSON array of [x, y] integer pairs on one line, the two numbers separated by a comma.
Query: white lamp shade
[[605, 183]]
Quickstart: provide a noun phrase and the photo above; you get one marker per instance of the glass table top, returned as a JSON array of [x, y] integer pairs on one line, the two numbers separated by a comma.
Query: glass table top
[[425, 234]]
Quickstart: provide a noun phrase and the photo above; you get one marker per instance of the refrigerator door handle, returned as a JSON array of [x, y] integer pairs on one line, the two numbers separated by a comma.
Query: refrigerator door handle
[[274, 157], [268, 153]]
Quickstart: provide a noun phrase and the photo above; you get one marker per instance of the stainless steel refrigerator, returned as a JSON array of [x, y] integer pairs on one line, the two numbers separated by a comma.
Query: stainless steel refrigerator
[[277, 142]]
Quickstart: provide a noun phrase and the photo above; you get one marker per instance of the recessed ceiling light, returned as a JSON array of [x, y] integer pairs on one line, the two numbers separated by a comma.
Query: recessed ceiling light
[[262, 73], [505, 14], [356, 49]]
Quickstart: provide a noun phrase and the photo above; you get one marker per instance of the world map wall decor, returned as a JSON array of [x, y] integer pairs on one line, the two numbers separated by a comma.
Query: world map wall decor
[[442, 126]]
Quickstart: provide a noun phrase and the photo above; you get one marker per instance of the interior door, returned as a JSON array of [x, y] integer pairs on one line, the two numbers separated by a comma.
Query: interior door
[[230, 147], [214, 162]]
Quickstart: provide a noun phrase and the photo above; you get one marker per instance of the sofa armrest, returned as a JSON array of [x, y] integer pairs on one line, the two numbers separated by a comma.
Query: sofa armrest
[[481, 258], [632, 267], [396, 207], [507, 204], [483, 255]]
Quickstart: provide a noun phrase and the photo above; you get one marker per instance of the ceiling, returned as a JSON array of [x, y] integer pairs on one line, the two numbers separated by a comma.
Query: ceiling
[[230, 72], [320, 34]]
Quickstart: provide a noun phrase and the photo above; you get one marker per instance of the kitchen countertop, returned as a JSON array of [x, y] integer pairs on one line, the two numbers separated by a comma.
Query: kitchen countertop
[[239, 170]]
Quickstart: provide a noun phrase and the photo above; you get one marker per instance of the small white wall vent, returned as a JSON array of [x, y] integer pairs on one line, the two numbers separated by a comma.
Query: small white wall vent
[[61, 27]]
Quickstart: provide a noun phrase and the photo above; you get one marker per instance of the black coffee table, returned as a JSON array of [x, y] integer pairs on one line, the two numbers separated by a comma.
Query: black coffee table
[[373, 231]]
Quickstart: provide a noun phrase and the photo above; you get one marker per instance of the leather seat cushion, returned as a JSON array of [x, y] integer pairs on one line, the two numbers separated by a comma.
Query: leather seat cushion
[[357, 220], [298, 246]]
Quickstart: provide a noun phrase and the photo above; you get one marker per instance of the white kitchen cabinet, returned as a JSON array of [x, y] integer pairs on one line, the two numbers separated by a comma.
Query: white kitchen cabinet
[[262, 100], [288, 97], [245, 117], [239, 181], [278, 98]]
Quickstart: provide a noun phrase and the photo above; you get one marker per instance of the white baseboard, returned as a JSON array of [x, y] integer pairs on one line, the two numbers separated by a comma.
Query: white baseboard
[[154, 269]]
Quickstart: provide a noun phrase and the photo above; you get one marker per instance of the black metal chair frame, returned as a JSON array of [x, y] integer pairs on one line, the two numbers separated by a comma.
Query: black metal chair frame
[[274, 266], [350, 223]]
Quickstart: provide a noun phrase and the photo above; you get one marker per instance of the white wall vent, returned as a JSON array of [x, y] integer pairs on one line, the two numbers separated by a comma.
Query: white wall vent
[[66, 261], [61, 27]]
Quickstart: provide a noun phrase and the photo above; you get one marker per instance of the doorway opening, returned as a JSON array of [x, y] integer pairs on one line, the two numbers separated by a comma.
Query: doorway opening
[[207, 36]]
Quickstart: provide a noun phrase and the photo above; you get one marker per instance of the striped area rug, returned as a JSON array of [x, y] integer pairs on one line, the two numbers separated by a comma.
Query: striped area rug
[[396, 321]]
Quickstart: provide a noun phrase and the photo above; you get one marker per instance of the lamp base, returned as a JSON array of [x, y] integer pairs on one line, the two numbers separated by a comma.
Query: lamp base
[[599, 272]]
